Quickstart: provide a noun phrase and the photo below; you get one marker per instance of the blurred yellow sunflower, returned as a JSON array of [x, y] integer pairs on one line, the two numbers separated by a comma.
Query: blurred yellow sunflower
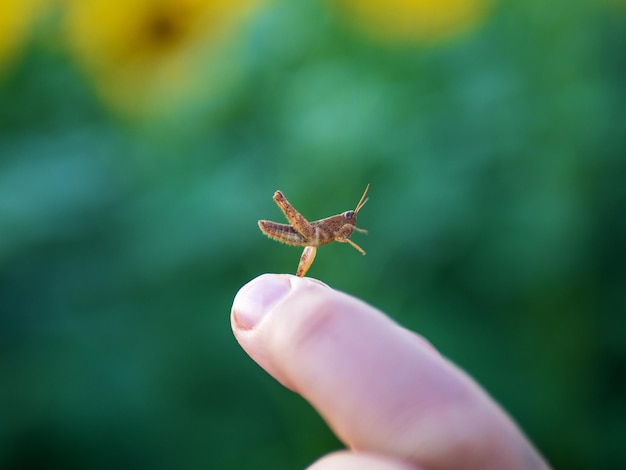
[[414, 21], [147, 55], [17, 19]]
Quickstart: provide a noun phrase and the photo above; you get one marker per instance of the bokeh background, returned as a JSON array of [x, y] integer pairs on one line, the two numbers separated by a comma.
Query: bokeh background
[[140, 141]]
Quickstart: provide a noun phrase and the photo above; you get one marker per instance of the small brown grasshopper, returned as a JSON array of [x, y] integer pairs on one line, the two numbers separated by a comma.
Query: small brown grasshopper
[[310, 235]]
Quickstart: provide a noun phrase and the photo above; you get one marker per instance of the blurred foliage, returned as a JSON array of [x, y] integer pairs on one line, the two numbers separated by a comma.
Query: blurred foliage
[[131, 180]]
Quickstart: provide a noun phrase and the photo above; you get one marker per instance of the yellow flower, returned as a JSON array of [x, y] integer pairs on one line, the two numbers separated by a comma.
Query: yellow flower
[[414, 21], [16, 21], [147, 55]]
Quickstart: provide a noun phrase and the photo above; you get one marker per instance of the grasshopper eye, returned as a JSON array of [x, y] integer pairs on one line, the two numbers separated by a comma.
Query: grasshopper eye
[[348, 214]]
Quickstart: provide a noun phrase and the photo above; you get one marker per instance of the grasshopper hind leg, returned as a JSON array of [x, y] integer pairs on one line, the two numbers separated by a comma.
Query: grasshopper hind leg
[[293, 216], [306, 260]]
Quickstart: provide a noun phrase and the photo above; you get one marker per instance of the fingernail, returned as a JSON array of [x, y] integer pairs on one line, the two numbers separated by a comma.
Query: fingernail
[[256, 298]]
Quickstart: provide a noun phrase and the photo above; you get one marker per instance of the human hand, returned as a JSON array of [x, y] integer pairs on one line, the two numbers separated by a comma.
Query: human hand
[[384, 390]]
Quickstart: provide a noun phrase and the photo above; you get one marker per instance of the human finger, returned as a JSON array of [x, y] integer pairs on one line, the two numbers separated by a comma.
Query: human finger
[[345, 460], [381, 388]]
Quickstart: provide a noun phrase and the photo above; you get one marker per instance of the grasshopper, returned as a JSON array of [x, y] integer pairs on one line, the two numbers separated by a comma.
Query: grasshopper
[[310, 235]]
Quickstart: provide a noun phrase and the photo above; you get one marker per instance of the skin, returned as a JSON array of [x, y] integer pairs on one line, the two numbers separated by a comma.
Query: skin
[[395, 402]]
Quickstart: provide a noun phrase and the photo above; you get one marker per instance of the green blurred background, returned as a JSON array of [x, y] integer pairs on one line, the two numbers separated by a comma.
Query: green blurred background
[[132, 177]]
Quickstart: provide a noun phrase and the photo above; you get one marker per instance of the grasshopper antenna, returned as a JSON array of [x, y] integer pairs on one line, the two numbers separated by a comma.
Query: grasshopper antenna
[[362, 201]]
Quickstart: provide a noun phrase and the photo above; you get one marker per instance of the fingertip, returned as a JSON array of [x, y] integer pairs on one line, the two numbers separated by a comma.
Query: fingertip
[[256, 298], [344, 460], [270, 295]]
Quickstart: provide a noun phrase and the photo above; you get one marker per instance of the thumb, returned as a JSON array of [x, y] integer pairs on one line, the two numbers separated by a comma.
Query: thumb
[[382, 388]]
